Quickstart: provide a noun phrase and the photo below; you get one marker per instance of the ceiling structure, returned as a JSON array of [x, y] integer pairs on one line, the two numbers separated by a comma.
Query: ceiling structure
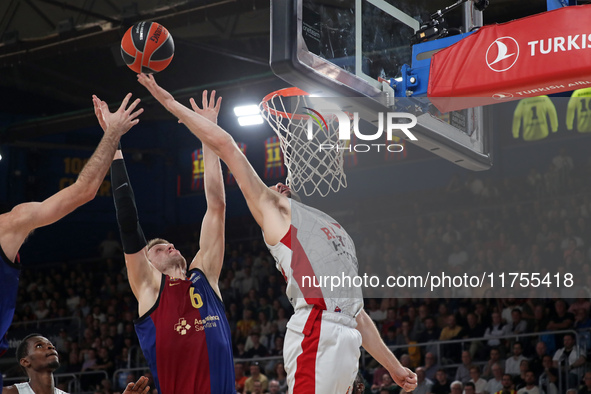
[[54, 54]]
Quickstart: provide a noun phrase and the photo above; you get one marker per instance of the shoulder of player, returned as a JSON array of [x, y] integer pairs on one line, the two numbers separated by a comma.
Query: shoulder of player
[[10, 390]]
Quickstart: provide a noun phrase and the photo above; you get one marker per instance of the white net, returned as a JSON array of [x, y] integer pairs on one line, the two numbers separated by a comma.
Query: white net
[[313, 165]]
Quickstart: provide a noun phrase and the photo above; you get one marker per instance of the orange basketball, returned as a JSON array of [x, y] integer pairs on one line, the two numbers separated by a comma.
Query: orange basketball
[[147, 47]]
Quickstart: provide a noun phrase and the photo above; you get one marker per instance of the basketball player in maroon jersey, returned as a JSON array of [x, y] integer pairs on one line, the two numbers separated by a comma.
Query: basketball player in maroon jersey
[[321, 348]]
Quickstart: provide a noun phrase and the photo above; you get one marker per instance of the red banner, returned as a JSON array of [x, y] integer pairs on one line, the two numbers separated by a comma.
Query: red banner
[[542, 54]]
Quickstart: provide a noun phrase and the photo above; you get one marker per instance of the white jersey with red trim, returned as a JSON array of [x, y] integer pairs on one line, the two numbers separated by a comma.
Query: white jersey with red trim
[[318, 261], [25, 388]]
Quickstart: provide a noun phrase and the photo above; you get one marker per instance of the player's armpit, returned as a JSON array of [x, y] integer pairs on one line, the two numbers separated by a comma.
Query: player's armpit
[[144, 280]]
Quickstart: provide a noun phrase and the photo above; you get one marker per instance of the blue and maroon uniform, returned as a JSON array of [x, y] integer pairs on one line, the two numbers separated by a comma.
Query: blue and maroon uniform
[[9, 276], [186, 338]]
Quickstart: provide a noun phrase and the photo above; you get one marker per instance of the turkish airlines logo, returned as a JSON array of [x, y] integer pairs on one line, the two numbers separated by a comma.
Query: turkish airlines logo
[[502, 54]]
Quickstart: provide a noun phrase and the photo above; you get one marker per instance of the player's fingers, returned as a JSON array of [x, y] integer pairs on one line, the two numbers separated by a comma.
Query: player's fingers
[[204, 99], [212, 99], [125, 102], [129, 386], [194, 104], [136, 113], [217, 104], [133, 105]]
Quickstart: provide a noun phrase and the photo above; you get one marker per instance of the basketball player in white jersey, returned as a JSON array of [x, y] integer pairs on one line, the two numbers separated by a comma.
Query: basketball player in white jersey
[[39, 358], [321, 348]]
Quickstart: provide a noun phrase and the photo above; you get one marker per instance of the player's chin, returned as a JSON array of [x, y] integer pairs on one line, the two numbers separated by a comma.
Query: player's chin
[[55, 364]]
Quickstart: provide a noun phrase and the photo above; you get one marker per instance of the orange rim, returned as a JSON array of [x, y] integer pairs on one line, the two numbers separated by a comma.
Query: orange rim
[[287, 92]]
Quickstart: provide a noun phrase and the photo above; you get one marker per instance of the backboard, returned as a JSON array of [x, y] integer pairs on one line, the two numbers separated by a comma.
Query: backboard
[[346, 48]]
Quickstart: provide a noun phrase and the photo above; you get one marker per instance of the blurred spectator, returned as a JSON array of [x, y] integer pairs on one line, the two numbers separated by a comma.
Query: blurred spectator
[[256, 376], [431, 366], [456, 387], [496, 382], [423, 384], [517, 325], [257, 349], [274, 387], [549, 376], [479, 383], [530, 384], [463, 371], [469, 388], [507, 385], [450, 331], [496, 330], [494, 358], [586, 388], [519, 380], [441, 384], [239, 376], [513, 362], [386, 384], [571, 359]]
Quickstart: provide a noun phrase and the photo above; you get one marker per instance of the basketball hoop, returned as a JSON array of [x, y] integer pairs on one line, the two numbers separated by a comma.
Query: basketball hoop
[[312, 164]]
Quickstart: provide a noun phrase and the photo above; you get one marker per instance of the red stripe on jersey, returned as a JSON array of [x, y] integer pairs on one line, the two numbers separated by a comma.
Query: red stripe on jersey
[[305, 375], [301, 267]]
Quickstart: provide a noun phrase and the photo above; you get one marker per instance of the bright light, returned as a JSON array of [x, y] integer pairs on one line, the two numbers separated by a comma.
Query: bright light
[[246, 110], [250, 120]]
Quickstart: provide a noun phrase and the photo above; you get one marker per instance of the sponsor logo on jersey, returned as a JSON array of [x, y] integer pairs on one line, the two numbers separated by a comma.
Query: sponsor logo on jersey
[[182, 327], [174, 281], [208, 322]]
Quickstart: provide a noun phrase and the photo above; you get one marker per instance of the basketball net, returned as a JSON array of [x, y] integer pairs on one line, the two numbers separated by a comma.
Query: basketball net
[[313, 165]]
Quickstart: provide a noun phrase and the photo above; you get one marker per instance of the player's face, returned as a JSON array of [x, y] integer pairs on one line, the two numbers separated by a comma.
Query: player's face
[[281, 189], [164, 256], [42, 355]]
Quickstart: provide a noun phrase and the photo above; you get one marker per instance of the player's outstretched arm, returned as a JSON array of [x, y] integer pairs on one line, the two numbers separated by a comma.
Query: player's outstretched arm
[[270, 210], [372, 342], [210, 256], [24, 218], [141, 386], [144, 279]]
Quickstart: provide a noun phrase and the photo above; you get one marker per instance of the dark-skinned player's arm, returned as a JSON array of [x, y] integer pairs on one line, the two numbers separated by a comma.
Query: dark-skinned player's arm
[[210, 256], [144, 279], [271, 210]]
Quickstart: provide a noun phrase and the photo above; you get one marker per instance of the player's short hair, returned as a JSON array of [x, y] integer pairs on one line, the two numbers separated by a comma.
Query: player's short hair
[[22, 350], [156, 241]]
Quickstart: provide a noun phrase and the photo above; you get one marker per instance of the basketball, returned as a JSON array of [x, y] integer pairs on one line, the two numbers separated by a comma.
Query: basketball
[[147, 47]]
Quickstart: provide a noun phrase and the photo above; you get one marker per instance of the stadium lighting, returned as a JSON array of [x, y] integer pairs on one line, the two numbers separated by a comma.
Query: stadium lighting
[[246, 110], [250, 120], [248, 115]]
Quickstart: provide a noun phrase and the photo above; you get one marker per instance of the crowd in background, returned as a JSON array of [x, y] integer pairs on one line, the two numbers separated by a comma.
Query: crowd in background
[[473, 225]]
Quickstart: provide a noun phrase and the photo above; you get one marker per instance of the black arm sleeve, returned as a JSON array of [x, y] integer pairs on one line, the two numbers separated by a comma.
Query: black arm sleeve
[[132, 236]]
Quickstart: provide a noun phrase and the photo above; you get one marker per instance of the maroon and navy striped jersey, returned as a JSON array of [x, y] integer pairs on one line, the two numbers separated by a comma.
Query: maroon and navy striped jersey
[[186, 338]]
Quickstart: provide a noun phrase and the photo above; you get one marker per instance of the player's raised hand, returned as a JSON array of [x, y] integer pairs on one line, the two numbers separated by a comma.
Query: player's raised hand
[[120, 121], [405, 378], [141, 386], [211, 107], [159, 93]]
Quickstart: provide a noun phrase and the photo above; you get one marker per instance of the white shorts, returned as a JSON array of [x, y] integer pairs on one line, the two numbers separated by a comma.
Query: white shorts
[[325, 361]]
